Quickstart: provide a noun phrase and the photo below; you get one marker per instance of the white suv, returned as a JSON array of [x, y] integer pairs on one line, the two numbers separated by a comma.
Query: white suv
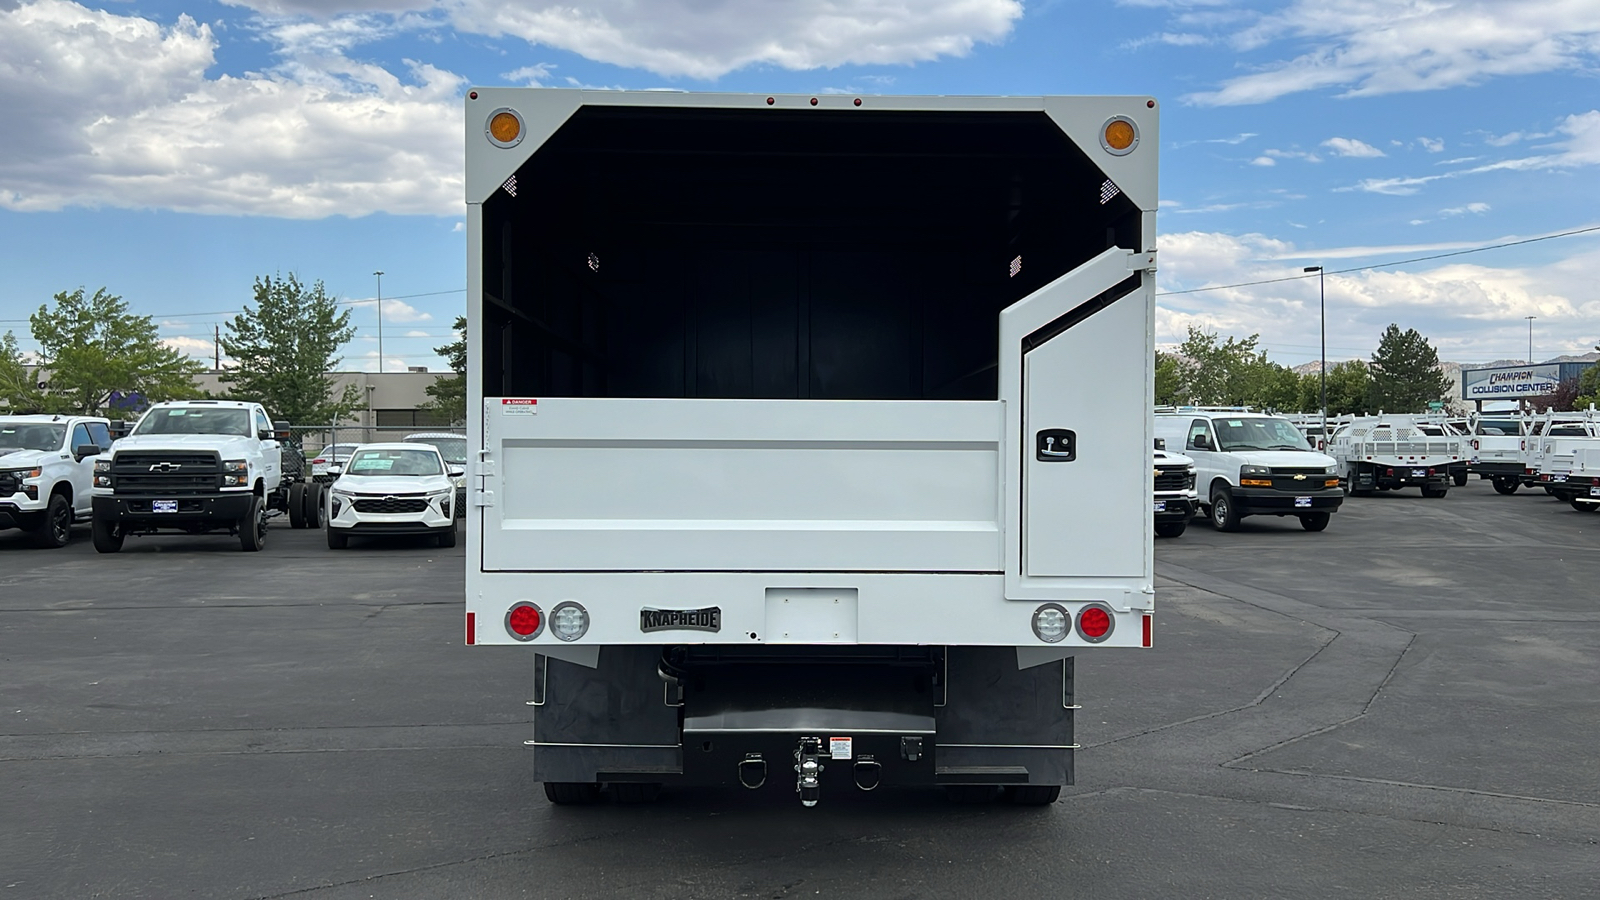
[[47, 472], [1251, 464], [393, 489]]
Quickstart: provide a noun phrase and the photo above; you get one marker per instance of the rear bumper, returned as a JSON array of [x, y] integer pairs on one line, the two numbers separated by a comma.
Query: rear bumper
[[1496, 469], [209, 511], [1269, 501]]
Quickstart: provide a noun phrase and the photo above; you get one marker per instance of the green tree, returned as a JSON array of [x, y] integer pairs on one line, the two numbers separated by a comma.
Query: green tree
[[92, 346], [1220, 371], [1349, 388], [450, 394], [283, 349], [17, 388], [1405, 372], [1588, 387], [1277, 387]]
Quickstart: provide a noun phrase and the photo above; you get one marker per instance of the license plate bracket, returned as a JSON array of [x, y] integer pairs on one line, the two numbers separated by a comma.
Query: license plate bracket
[[163, 506], [1419, 473], [1161, 506], [1302, 503]]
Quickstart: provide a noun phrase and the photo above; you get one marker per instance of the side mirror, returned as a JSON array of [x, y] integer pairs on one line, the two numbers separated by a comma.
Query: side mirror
[[83, 451], [457, 473], [1202, 442], [263, 434], [336, 469]]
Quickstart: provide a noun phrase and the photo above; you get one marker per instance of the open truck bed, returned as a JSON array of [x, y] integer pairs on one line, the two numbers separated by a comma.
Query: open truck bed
[[811, 432]]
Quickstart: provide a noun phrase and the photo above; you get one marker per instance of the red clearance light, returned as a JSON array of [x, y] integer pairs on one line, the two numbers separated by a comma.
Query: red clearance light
[[1094, 623], [1147, 624], [472, 628], [524, 621]]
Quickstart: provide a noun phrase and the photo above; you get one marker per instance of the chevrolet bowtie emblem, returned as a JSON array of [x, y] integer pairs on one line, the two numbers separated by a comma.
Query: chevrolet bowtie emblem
[[166, 467], [1299, 478]]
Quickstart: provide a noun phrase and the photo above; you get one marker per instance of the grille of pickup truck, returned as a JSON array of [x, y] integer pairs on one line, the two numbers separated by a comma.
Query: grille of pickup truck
[[1173, 479], [172, 474], [9, 484], [391, 504]]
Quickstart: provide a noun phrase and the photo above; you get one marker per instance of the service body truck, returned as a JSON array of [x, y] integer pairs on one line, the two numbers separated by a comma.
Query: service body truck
[[201, 466], [1499, 442], [1390, 452], [1553, 450], [46, 473], [811, 435], [1176, 501], [1583, 484]]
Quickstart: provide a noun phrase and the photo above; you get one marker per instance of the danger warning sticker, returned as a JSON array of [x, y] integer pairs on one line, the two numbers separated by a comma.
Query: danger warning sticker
[[519, 406], [839, 747]]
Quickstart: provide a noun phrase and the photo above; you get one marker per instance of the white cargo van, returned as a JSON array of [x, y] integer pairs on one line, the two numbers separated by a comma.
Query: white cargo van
[[1252, 464]]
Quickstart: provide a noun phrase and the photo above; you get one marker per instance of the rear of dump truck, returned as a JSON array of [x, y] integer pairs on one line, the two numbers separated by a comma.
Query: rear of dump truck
[[810, 434]]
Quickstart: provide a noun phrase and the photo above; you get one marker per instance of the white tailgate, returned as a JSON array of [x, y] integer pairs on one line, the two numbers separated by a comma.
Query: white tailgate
[[615, 485]]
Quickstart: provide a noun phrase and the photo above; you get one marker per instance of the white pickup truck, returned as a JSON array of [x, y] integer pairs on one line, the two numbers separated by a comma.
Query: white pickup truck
[[46, 468], [200, 466]]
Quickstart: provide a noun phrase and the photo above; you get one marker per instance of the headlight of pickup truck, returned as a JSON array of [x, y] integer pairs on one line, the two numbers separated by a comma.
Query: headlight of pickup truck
[[235, 473], [102, 466], [1255, 476], [34, 472], [1191, 470]]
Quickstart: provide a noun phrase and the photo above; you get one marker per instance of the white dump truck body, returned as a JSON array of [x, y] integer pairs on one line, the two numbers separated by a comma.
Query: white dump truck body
[[778, 374]]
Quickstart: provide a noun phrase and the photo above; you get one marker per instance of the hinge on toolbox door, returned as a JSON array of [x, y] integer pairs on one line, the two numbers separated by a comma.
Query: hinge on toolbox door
[[485, 464], [1145, 261], [483, 498]]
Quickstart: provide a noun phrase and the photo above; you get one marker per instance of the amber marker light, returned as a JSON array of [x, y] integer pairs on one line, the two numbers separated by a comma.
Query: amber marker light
[[1119, 136], [504, 128]]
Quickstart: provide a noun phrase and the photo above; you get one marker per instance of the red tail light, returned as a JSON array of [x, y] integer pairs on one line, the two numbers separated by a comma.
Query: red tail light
[[1095, 623], [524, 621]]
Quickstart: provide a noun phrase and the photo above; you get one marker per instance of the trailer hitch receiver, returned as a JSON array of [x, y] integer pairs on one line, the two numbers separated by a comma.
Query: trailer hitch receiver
[[808, 765]]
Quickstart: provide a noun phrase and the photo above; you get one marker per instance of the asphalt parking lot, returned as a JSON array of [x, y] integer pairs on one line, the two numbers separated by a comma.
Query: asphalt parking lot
[[1405, 705]]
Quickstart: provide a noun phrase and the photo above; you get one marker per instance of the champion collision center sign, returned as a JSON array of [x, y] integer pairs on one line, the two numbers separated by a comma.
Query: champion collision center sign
[[1510, 382]]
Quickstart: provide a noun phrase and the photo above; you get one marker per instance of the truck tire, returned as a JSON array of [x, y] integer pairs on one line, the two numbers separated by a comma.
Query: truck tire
[[107, 534], [1317, 521], [337, 539], [447, 536], [297, 505], [636, 792], [1581, 506], [1459, 477], [1435, 492], [1504, 485], [55, 527], [571, 793], [1033, 794], [1171, 529], [1224, 516], [253, 526], [313, 505], [972, 793]]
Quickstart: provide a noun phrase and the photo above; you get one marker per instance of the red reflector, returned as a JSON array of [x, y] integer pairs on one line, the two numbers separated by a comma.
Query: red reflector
[[1094, 622], [472, 628], [524, 620], [1147, 630]]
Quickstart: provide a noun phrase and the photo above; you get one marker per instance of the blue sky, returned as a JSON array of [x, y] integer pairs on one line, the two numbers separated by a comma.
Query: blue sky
[[172, 150]]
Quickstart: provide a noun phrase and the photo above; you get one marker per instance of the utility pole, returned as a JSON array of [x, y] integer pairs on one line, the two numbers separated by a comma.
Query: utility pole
[[216, 347], [1322, 316], [379, 273], [1530, 338]]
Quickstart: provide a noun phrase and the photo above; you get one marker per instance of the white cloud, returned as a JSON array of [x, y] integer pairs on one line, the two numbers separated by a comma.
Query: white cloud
[[1370, 47], [1432, 145], [1351, 147], [109, 110], [194, 347], [709, 38], [1294, 154], [1469, 312], [328, 8], [417, 334], [400, 311], [1476, 209], [1581, 148], [1263, 161], [532, 76]]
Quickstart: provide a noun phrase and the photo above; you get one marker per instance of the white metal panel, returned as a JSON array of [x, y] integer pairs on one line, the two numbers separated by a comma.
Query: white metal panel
[[1096, 382], [769, 485], [1087, 516]]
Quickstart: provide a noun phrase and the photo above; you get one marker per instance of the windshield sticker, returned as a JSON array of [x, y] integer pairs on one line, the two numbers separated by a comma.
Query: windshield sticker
[[177, 412], [376, 464], [1235, 423]]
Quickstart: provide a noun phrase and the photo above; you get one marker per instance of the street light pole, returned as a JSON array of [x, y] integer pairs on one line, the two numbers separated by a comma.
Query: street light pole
[[1530, 338], [379, 273], [1322, 316]]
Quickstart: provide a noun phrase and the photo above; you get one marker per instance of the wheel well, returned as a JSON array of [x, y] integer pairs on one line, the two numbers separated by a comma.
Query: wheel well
[[260, 488], [1219, 480], [62, 488]]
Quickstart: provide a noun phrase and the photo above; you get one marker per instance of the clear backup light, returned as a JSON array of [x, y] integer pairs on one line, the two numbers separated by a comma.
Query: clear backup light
[[1051, 622], [569, 621]]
